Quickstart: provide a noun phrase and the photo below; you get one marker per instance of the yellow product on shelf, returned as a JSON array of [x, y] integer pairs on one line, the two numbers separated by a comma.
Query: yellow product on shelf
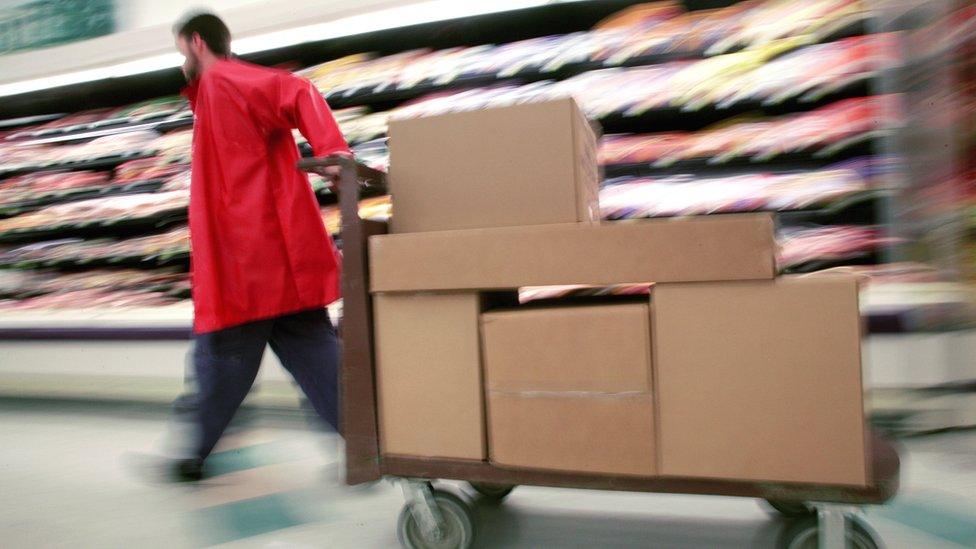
[[325, 69], [740, 74]]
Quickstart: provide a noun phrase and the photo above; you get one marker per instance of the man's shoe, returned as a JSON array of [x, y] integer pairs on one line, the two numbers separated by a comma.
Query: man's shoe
[[188, 470]]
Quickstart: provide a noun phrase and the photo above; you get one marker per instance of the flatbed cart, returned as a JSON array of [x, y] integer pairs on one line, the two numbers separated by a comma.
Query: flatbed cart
[[435, 517]]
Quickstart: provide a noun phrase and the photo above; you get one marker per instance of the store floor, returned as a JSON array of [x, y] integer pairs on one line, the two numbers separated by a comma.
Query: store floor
[[74, 476]]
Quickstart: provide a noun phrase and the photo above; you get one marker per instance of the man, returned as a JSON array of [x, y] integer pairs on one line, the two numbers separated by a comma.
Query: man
[[263, 266]]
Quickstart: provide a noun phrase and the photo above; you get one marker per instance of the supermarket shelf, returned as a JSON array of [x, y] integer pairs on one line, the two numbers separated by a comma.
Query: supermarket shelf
[[389, 98], [854, 209], [91, 164], [125, 226], [72, 195], [860, 258], [29, 120], [171, 333], [667, 119], [783, 163], [83, 132], [156, 323], [372, 96], [173, 258], [171, 322]]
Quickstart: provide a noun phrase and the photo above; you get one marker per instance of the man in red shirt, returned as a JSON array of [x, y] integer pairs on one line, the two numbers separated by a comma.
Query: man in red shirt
[[263, 266]]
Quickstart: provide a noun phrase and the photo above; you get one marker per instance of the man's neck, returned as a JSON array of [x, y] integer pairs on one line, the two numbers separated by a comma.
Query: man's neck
[[208, 60]]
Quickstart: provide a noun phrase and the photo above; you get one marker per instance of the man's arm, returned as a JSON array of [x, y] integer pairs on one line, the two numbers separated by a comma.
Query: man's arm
[[302, 106]]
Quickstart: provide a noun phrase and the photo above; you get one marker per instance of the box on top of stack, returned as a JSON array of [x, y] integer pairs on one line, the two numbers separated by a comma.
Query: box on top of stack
[[528, 164], [726, 373]]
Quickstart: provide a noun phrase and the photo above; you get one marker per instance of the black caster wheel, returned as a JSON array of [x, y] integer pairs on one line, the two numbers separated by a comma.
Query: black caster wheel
[[790, 509], [805, 534], [493, 492], [456, 530]]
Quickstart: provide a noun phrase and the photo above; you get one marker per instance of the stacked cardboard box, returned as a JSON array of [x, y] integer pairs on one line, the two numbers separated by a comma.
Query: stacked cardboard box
[[726, 373]]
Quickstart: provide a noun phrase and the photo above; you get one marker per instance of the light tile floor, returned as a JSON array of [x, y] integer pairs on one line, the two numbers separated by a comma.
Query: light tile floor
[[72, 476]]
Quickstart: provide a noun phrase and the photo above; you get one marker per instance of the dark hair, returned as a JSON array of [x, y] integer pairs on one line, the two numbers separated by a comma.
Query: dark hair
[[211, 29]]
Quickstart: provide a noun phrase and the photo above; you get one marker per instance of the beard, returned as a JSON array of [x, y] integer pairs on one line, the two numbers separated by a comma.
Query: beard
[[191, 67]]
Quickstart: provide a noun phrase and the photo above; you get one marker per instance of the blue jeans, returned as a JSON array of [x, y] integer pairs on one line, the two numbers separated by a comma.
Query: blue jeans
[[227, 362]]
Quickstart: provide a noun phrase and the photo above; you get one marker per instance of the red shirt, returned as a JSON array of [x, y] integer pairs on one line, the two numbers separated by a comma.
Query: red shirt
[[259, 246]]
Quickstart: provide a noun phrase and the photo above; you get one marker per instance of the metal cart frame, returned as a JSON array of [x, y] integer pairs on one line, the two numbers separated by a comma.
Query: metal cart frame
[[429, 511]]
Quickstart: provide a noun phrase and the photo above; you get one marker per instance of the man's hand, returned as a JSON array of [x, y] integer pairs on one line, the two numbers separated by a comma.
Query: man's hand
[[331, 174]]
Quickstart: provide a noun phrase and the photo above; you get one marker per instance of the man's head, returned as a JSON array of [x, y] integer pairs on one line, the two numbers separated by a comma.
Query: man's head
[[200, 37]]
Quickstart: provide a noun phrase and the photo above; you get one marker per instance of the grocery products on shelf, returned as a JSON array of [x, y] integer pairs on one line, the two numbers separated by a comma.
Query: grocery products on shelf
[[830, 244], [376, 208], [639, 35], [14, 157], [634, 197], [742, 78], [821, 132], [92, 298], [39, 185], [173, 242], [144, 169], [110, 208], [784, 82]]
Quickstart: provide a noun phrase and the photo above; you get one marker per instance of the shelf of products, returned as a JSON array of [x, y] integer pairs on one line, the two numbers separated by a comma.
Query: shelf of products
[[649, 34], [688, 194], [98, 216], [756, 106]]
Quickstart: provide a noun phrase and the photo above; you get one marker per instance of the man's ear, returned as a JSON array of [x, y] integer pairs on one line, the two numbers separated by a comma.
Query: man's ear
[[198, 43]]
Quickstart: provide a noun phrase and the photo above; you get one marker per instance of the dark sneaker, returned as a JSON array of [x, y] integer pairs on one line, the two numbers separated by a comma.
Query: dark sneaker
[[188, 470]]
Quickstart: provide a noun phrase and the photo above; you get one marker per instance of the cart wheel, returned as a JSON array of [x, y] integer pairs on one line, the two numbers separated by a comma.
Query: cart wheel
[[494, 492], [791, 509], [805, 534], [457, 528]]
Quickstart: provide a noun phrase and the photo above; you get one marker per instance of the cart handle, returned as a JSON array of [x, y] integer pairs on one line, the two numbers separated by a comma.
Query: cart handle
[[369, 177], [354, 176]]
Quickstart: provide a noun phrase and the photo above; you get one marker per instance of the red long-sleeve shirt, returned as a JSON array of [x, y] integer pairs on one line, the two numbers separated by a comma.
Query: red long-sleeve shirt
[[259, 246]]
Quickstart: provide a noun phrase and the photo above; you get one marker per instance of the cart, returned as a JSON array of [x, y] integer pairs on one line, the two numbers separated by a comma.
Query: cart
[[436, 517]]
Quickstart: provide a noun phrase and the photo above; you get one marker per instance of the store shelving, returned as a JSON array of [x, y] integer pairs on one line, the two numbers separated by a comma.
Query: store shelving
[[94, 228], [29, 120], [90, 131], [104, 163], [70, 195], [551, 20]]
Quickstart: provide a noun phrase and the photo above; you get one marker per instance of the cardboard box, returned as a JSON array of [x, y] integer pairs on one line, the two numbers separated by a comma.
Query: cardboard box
[[428, 377], [580, 432], [732, 247], [526, 164], [604, 348], [569, 388], [761, 381]]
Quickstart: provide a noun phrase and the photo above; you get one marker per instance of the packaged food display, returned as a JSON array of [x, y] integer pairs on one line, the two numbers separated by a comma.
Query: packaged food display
[[627, 198], [117, 207]]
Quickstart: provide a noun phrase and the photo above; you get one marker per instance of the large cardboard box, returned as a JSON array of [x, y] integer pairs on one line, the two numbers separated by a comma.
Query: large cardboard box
[[760, 381], [599, 348], [733, 247], [526, 164], [428, 377], [569, 388]]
